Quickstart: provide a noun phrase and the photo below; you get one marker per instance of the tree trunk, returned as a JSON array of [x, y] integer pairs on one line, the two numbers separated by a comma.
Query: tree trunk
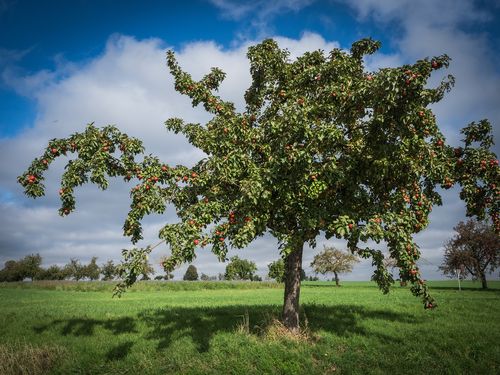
[[336, 278], [293, 266], [483, 280]]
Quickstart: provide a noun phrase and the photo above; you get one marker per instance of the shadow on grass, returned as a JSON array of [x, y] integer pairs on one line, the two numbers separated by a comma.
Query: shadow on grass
[[119, 352], [86, 326], [201, 324]]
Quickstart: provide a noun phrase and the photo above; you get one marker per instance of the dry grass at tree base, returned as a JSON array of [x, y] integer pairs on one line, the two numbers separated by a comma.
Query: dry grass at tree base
[[27, 359]]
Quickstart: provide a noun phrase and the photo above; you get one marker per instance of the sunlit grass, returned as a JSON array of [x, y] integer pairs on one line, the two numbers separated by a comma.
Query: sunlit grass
[[163, 329]]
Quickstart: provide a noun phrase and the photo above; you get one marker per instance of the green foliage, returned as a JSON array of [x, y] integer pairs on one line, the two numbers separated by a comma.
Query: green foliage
[[191, 273], [12, 271], [74, 269], [277, 270], [27, 267], [240, 269], [92, 270], [31, 266], [53, 272], [109, 270], [322, 147], [147, 271]]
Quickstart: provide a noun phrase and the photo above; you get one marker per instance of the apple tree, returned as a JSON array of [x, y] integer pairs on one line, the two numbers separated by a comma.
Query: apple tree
[[322, 147]]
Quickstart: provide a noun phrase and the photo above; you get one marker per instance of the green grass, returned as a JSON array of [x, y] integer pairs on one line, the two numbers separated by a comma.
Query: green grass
[[199, 328]]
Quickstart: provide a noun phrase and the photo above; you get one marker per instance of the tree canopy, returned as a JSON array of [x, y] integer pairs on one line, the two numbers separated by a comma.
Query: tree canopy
[[240, 269], [474, 250], [323, 146], [332, 260], [191, 273]]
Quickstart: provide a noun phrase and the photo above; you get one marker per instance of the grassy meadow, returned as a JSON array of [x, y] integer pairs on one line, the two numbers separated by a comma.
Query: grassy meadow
[[231, 328]]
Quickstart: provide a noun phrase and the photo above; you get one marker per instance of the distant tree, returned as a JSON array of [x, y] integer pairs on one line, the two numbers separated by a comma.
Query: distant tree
[[147, 271], [332, 260], [92, 270], [159, 277], [31, 266], [220, 276], [168, 269], [11, 272], [108, 270], [256, 278], [313, 278], [204, 277], [74, 269], [277, 271], [53, 272], [390, 263], [191, 273], [475, 249], [240, 269]]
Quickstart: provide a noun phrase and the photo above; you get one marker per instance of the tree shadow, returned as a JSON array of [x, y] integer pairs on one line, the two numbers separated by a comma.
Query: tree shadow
[[119, 352], [86, 326], [201, 324]]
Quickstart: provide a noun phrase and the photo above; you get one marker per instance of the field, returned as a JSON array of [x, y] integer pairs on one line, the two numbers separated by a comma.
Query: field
[[231, 328]]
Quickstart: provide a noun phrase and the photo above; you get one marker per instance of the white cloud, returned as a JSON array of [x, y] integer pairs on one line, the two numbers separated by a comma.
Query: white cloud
[[263, 9], [256, 16], [128, 85]]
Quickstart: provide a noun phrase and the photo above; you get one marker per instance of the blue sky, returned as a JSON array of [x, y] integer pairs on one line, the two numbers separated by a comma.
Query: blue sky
[[66, 63], [37, 35]]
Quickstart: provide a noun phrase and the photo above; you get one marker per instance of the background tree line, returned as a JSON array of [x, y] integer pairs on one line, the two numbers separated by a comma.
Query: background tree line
[[473, 251], [30, 267]]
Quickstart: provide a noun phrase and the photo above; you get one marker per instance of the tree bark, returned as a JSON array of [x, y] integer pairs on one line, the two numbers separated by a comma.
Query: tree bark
[[483, 281], [293, 266], [336, 278]]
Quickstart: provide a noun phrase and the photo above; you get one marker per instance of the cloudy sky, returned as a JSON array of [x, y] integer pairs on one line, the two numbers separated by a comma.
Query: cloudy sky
[[64, 64]]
